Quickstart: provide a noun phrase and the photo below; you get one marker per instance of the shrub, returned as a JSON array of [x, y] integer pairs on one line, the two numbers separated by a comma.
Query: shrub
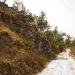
[[28, 44]]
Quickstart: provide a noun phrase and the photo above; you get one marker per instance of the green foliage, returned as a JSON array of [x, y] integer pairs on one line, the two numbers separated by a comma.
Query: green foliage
[[68, 41], [55, 38], [42, 23], [49, 35], [55, 33], [30, 17], [28, 44], [73, 42], [60, 38]]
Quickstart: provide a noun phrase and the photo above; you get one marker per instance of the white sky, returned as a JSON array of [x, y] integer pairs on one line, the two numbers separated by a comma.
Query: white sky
[[59, 13]]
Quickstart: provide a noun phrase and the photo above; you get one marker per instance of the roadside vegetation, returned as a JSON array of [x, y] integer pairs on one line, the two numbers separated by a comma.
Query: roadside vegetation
[[27, 42]]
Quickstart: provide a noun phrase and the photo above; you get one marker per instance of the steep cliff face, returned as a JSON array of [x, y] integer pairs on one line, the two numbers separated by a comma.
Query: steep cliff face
[[20, 50]]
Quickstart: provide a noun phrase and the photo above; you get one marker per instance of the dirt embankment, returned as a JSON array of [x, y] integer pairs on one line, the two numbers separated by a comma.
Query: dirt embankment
[[72, 51]]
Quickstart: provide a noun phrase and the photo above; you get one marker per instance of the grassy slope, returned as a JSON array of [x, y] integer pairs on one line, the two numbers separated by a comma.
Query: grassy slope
[[15, 60], [24, 61]]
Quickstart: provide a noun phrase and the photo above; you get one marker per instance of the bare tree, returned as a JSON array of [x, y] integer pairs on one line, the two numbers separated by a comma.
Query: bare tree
[[18, 5], [4, 1]]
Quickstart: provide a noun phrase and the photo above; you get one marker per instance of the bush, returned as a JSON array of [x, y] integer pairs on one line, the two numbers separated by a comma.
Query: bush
[[28, 44]]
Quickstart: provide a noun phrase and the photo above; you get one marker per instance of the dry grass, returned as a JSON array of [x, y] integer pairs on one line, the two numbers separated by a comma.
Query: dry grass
[[14, 36], [73, 51], [6, 10], [23, 61]]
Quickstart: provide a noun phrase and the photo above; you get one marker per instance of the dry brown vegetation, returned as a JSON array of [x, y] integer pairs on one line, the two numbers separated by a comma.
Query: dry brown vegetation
[[17, 57], [73, 51]]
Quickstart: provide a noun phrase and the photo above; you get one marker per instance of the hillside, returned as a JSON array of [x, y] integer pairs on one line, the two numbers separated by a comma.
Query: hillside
[[19, 50]]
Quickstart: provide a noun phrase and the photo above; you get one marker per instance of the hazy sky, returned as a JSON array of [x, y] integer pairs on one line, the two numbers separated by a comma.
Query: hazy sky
[[59, 13]]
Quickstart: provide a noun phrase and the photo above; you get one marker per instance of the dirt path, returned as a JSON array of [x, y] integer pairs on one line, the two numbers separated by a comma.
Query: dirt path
[[63, 65]]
